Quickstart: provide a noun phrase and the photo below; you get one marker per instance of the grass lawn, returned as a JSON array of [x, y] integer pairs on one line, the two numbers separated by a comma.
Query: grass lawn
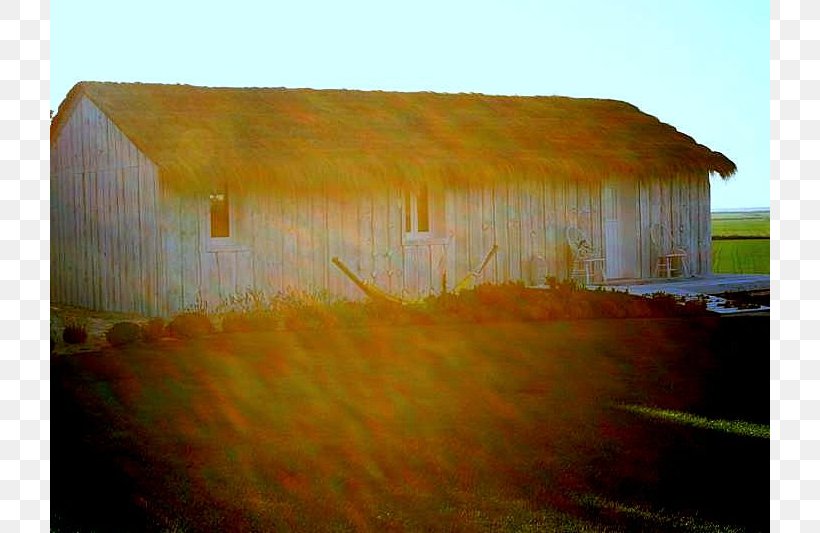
[[746, 256], [587, 425], [740, 242]]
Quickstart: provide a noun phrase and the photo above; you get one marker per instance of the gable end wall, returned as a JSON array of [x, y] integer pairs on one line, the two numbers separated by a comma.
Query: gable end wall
[[105, 251]]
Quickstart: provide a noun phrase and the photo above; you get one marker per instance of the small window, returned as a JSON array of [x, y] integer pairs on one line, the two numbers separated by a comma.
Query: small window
[[220, 216], [417, 211]]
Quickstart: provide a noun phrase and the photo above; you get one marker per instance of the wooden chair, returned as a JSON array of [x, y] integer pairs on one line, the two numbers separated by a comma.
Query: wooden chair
[[667, 251], [584, 255]]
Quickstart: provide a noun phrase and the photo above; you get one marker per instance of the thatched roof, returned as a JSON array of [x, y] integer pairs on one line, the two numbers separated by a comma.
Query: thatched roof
[[309, 137]]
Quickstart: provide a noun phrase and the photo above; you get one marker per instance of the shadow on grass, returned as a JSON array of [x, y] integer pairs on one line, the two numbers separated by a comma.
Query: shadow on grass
[[499, 427]]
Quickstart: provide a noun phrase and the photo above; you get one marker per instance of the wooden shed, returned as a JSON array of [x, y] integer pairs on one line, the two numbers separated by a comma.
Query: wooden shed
[[163, 196]]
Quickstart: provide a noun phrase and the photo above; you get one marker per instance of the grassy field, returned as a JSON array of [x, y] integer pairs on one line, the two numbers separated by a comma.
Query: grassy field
[[740, 242], [587, 425]]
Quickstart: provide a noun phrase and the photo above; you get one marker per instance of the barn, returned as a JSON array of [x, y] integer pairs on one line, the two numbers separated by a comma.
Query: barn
[[168, 196]]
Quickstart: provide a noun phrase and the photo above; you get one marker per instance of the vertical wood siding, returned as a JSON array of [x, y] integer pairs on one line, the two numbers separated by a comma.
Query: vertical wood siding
[[682, 204], [105, 238]]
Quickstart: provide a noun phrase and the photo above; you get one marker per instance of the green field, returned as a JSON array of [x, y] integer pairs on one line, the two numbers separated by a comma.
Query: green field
[[588, 425], [740, 242], [740, 224]]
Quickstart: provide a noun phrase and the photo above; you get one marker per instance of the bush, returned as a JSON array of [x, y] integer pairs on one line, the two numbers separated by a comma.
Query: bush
[[249, 321], [75, 333], [123, 333], [154, 330], [190, 325]]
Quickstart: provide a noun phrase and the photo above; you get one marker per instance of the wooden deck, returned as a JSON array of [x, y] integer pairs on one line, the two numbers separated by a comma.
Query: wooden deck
[[696, 287]]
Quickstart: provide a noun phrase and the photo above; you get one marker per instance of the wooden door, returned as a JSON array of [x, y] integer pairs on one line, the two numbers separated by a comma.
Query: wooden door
[[620, 222]]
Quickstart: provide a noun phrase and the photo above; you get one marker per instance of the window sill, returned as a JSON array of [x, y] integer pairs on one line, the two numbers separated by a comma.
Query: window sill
[[225, 245], [422, 240]]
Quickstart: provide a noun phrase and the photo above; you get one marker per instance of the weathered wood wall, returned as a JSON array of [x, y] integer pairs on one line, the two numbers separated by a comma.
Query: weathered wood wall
[[284, 241], [104, 235], [682, 204]]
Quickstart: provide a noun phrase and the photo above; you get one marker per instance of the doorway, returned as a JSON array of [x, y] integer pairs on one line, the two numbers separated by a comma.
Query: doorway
[[619, 201]]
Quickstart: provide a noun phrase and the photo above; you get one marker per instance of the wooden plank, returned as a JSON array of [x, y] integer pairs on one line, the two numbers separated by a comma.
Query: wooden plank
[[438, 258], [706, 227], [559, 230], [58, 265], [110, 246], [88, 241], [222, 262], [696, 238], [514, 233], [461, 235], [500, 211], [550, 262], [210, 291], [528, 232], [685, 232], [666, 203], [428, 273], [93, 285], [538, 268], [244, 271], [146, 216], [254, 237], [240, 238], [335, 277], [655, 216], [189, 248], [486, 216], [395, 272], [379, 230], [290, 262], [595, 220], [315, 251], [77, 250], [171, 245], [644, 217], [127, 224], [350, 242], [675, 224], [450, 223], [366, 251], [475, 237], [262, 250], [82, 137], [414, 270], [275, 261]]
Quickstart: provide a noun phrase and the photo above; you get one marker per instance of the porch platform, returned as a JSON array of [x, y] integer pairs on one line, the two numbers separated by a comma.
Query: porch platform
[[696, 287]]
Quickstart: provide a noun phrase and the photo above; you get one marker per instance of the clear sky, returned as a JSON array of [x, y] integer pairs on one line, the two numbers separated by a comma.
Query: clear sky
[[700, 65]]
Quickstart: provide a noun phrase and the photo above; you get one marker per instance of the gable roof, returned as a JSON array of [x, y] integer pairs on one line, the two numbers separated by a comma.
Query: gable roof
[[305, 137]]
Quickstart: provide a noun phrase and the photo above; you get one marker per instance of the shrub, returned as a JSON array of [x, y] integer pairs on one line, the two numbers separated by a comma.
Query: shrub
[[249, 321], [75, 333], [311, 316], [123, 333], [190, 325], [154, 330]]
